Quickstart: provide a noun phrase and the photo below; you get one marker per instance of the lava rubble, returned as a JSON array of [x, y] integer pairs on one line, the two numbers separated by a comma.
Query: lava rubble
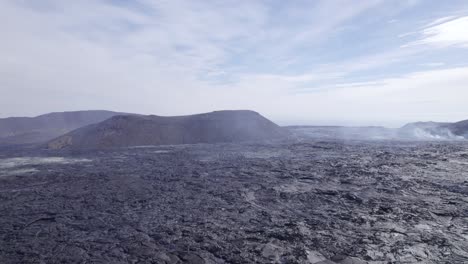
[[290, 202]]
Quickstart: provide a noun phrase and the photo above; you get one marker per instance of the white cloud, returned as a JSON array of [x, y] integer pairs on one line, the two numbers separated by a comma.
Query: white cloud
[[446, 32], [433, 64], [440, 21], [89, 54], [147, 56], [167, 57], [438, 95]]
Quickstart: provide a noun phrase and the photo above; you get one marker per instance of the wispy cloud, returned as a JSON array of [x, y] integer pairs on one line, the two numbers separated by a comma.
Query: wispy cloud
[[440, 21], [180, 57], [425, 95], [433, 64], [445, 32]]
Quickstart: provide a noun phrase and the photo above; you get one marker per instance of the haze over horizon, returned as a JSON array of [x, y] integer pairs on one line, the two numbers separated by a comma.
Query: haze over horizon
[[335, 62]]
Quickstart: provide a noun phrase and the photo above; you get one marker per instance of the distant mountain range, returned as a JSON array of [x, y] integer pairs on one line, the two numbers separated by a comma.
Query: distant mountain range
[[411, 131], [214, 127], [107, 129], [436, 130], [343, 132], [24, 130], [459, 128]]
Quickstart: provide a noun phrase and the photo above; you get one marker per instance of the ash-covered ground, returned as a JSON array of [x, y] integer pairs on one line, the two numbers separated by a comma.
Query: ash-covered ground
[[296, 202]]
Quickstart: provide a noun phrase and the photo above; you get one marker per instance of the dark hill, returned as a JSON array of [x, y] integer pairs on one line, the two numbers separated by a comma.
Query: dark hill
[[435, 130], [459, 128], [423, 125], [24, 130], [214, 127]]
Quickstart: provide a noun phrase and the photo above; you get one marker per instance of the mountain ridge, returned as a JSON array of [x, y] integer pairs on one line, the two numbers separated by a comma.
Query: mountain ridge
[[213, 127], [41, 128]]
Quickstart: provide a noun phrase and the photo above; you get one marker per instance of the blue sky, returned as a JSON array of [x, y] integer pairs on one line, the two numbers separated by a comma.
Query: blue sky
[[371, 62]]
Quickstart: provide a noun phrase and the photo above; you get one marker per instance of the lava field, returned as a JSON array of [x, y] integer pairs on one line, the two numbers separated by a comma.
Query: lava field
[[289, 202]]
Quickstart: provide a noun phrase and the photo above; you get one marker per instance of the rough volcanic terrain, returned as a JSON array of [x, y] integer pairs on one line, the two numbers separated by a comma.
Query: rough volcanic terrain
[[290, 202]]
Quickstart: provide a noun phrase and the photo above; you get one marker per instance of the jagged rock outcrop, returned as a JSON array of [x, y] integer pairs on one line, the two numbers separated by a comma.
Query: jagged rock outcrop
[[214, 127]]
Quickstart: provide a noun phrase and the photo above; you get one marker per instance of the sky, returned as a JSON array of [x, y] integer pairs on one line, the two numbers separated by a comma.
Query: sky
[[321, 62]]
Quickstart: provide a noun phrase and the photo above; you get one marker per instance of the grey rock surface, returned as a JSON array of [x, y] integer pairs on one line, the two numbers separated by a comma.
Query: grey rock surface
[[307, 202]]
